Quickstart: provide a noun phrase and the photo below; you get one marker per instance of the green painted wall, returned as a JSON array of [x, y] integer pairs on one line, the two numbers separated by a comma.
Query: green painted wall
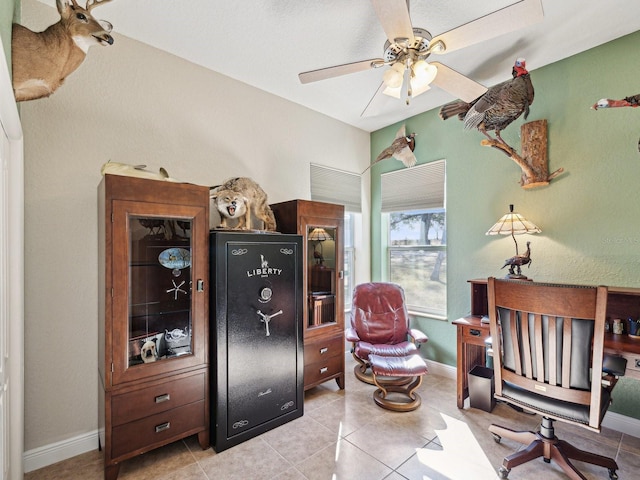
[[587, 215], [7, 10]]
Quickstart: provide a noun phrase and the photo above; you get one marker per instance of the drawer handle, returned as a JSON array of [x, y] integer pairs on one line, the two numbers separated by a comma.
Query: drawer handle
[[163, 398], [474, 332], [323, 370], [323, 350], [162, 427], [637, 363]]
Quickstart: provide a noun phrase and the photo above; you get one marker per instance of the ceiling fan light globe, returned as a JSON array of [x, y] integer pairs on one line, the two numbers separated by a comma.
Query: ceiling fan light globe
[[393, 92], [418, 86], [392, 78], [424, 71]]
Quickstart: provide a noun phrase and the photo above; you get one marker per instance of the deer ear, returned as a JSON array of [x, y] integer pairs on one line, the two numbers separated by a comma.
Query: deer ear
[[62, 5]]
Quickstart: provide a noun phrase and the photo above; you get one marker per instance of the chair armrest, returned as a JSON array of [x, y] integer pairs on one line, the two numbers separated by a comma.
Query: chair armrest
[[609, 381], [418, 336], [351, 335]]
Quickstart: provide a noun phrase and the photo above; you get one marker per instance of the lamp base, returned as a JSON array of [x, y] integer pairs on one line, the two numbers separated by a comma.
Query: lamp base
[[515, 276]]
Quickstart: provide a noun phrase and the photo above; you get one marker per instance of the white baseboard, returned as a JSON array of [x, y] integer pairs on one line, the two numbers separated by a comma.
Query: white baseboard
[[622, 423], [56, 452], [441, 369]]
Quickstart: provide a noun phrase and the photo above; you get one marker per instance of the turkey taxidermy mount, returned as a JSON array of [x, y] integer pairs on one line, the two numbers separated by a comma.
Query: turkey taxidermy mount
[[633, 102], [495, 110]]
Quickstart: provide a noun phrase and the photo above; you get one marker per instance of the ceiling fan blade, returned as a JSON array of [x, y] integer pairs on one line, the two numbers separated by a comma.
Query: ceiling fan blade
[[394, 18], [457, 84], [338, 70], [505, 20]]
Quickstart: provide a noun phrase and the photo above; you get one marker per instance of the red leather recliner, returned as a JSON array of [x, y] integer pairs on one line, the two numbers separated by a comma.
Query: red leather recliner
[[380, 326]]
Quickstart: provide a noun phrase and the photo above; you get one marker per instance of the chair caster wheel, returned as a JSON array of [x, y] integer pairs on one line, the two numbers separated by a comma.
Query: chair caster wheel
[[613, 475], [503, 472], [496, 437]]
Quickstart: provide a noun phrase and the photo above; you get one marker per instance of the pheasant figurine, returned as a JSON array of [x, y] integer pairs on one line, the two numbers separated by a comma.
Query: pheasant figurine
[[401, 149], [517, 262]]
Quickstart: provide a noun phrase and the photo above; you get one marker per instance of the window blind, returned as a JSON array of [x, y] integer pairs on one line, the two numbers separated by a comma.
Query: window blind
[[415, 188], [336, 186]]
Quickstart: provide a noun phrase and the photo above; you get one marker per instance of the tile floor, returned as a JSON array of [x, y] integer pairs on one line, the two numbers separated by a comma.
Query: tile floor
[[344, 435]]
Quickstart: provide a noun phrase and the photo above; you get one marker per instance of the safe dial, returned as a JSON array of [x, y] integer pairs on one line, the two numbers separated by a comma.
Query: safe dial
[[265, 294]]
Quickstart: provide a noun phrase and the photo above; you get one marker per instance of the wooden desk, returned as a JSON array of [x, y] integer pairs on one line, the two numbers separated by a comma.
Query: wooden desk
[[472, 333]]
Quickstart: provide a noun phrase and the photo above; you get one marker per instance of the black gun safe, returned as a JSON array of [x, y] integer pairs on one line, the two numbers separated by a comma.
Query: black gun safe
[[255, 311]]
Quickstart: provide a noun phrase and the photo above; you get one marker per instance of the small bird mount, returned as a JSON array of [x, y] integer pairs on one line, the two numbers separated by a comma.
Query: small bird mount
[[401, 149], [534, 161]]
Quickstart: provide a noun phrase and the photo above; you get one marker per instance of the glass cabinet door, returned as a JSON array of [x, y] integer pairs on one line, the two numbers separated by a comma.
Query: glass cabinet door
[[158, 288], [321, 274], [160, 285]]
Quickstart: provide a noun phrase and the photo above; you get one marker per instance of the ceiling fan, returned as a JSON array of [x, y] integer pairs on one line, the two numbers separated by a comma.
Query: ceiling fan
[[407, 49]]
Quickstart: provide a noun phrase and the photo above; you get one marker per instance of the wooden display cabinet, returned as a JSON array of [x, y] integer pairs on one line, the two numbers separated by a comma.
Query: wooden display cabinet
[[153, 325], [322, 227]]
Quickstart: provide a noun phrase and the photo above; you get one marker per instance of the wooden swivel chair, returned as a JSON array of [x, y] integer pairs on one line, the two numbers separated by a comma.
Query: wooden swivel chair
[[548, 345], [380, 326]]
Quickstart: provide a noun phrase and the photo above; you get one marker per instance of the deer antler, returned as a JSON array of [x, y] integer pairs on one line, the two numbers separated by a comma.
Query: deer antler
[[93, 3]]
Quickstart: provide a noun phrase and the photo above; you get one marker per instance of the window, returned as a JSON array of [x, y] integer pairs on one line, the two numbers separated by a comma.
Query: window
[[418, 259], [349, 259], [337, 186], [413, 202]]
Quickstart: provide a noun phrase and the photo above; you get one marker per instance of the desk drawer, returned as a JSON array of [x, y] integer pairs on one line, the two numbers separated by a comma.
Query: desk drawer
[[475, 336], [633, 362], [321, 350], [155, 399], [321, 371], [157, 429]]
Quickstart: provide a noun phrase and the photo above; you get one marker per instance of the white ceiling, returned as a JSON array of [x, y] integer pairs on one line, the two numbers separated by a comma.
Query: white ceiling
[[266, 43]]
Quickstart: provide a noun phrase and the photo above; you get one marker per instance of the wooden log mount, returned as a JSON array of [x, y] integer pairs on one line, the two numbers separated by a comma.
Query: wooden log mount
[[534, 161]]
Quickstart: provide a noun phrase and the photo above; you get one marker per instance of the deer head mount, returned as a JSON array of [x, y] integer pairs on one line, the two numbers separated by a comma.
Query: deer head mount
[[42, 60]]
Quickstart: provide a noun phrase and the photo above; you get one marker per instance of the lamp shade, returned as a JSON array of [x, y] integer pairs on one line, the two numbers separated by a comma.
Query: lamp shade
[[513, 224], [319, 234]]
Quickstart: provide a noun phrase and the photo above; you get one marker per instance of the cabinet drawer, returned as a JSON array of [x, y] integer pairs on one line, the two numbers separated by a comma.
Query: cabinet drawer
[[157, 429], [155, 399], [316, 372], [320, 350]]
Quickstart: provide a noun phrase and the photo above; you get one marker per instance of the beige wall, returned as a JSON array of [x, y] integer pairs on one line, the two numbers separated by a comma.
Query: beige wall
[[132, 103]]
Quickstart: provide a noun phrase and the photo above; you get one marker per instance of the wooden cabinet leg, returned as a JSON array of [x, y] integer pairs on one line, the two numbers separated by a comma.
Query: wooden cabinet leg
[[111, 471], [460, 370], [203, 439], [340, 381]]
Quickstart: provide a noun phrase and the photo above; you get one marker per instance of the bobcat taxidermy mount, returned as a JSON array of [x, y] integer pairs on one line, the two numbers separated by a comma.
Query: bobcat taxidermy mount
[[239, 199]]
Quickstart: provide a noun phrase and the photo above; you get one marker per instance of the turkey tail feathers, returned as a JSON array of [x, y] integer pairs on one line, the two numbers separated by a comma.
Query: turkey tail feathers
[[458, 108]]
